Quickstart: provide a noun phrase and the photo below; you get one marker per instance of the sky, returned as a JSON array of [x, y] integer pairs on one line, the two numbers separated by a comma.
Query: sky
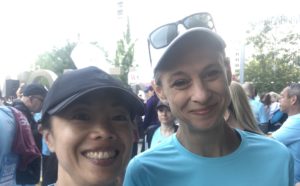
[[31, 27]]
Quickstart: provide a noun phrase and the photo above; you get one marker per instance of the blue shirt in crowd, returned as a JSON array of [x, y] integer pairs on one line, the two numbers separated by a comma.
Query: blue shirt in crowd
[[289, 134], [259, 111]]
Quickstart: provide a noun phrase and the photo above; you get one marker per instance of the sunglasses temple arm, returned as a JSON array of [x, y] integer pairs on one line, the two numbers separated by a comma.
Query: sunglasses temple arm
[[149, 51]]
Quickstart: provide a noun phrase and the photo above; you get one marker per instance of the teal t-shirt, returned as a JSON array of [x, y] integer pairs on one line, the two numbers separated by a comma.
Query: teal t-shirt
[[157, 138], [258, 161], [289, 135]]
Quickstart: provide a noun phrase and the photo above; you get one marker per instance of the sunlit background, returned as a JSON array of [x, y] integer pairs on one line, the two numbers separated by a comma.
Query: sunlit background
[[29, 28]]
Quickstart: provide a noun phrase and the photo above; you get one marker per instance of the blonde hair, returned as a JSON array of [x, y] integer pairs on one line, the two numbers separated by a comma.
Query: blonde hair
[[274, 96], [241, 108]]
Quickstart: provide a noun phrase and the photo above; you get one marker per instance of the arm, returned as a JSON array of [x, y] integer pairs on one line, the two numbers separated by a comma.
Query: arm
[[286, 134]]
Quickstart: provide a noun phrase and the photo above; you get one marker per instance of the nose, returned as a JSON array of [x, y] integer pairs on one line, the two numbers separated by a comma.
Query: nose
[[164, 112], [200, 93], [103, 130]]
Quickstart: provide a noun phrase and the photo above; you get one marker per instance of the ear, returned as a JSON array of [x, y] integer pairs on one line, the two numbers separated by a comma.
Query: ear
[[159, 91], [293, 100], [48, 136]]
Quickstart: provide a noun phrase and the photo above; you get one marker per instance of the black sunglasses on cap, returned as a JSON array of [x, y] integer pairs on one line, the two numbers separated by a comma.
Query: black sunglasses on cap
[[164, 35]]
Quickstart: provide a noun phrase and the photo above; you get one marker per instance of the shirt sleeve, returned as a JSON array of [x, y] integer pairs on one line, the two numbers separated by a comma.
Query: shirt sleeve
[[286, 134], [135, 174]]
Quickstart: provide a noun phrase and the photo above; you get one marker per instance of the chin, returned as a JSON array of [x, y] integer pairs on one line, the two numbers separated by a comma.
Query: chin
[[101, 181], [204, 126]]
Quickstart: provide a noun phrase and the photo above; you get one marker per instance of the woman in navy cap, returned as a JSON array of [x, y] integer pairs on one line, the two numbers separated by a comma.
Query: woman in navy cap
[[167, 124], [87, 120]]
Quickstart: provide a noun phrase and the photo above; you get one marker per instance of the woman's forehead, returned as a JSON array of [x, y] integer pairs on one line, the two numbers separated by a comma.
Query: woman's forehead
[[196, 53], [100, 100]]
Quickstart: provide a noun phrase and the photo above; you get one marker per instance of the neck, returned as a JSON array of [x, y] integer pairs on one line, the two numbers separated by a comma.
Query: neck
[[293, 110], [167, 129], [217, 142]]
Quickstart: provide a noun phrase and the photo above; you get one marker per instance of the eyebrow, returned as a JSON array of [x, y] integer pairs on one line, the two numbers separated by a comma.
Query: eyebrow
[[208, 67], [116, 102]]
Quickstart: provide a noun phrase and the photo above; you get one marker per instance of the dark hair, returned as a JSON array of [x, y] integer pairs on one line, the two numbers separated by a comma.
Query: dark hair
[[46, 123], [266, 99]]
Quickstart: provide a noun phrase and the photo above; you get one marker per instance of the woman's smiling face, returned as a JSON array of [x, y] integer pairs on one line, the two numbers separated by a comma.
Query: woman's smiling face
[[196, 88], [92, 139]]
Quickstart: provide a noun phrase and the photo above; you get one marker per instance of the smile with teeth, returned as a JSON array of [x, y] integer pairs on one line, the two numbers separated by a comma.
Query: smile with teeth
[[101, 155]]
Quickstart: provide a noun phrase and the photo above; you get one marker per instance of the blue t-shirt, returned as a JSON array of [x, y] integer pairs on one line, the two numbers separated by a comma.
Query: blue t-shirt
[[171, 164], [259, 111], [8, 159], [289, 134], [157, 138]]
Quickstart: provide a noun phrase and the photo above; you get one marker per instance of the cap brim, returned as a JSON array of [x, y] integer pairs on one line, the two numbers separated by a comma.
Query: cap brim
[[136, 105], [191, 38]]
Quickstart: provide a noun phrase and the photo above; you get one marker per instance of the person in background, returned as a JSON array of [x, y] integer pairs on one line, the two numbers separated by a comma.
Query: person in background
[[8, 159], [29, 104], [276, 116], [266, 100], [274, 103], [150, 119], [193, 78], [151, 114], [288, 133], [257, 107], [167, 124], [89, 125], [20, 90], [239, 114]]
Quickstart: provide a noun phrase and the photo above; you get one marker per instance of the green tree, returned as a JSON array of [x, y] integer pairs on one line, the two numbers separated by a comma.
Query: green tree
[[56, 60], [124, 54], [275, 61]]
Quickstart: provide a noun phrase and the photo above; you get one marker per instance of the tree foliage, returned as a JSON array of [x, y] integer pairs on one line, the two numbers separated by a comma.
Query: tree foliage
[[124, 54], [56, 60], [276, 58]]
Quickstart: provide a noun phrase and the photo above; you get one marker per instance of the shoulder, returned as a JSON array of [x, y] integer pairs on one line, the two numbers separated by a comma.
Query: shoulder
[[263, 143], [293, 119], [156, 153], [153, 161], [292, 124], [6, 114]]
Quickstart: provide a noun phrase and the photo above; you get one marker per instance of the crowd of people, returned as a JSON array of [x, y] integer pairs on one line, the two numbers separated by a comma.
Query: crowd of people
[[196, 126]]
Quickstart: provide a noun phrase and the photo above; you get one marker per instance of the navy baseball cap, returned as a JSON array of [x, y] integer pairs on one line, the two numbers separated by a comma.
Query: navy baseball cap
[[194, 37], [162, 104], [34, 89], [70, 86]]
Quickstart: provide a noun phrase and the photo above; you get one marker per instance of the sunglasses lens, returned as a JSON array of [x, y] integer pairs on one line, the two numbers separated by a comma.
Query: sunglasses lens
[[199, 20], [162, 36]]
